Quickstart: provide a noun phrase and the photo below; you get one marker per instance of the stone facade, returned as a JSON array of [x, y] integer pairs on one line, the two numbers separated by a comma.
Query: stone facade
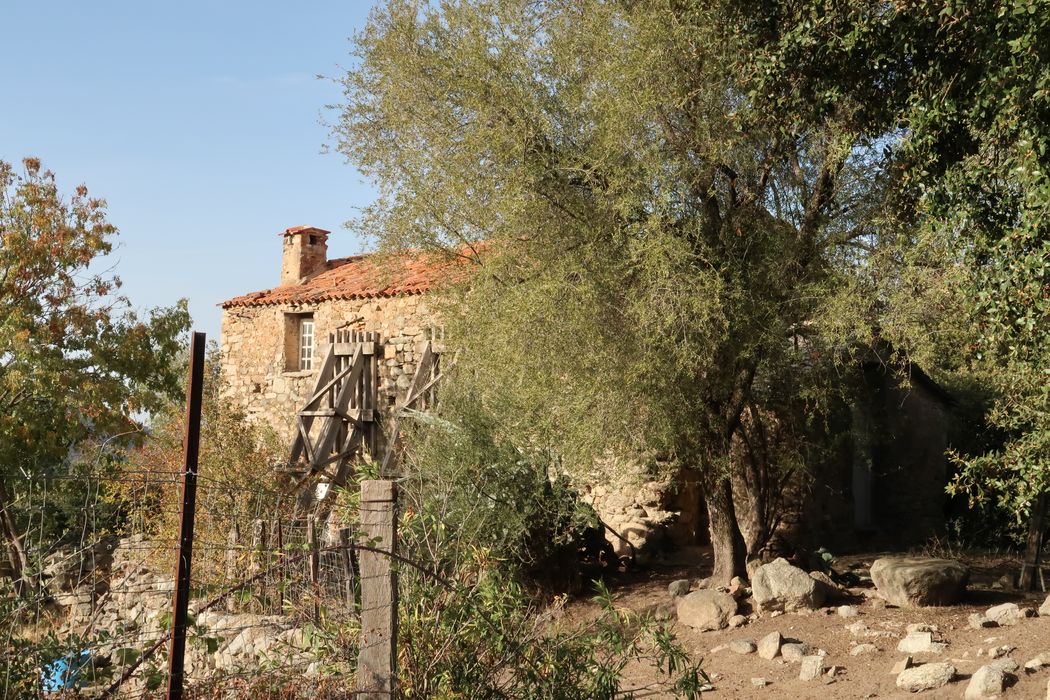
[[274, 341], [258, 357]]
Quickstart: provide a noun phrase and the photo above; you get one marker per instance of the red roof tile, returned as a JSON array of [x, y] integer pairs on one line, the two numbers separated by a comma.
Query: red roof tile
[[358, 277]]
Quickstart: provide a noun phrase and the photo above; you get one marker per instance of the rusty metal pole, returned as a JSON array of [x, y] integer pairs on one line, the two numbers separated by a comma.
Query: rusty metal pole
[[191, 447]]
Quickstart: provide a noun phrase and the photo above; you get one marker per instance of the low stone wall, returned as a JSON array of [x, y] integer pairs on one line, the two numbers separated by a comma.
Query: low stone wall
[[635, 506], [117, 600]]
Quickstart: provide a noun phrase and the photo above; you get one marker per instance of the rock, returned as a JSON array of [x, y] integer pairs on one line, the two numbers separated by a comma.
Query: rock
[[742, 646], [832, 590], [1000, 651], [925, 677], [679, 588], [759, 682], [812, 668], [737, 587], [1037, 663], [978, 621], [794, 651], [1006, 665], [917, 581], [1044, 609], [769, 646], [986, 682], [664, 612], [1005, 614], [706, 610], [862, 649], [737, 621], [920, 627], [859, 629], [920, 643], [780, 586], [901, 665], [847, 611]]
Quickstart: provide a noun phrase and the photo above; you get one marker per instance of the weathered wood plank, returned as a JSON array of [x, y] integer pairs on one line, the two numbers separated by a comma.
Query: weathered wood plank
[[348, 349]]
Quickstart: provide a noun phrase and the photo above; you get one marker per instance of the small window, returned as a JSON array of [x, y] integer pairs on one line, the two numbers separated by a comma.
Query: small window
[[300, 342], [306, 342]]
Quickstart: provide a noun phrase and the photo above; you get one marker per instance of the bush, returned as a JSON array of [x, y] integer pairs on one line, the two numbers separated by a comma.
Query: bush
[[477, 636], [237, 482], [483, 517]]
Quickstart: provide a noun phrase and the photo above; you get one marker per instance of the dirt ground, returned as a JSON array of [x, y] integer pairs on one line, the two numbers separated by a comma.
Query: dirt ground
[[866, 676]]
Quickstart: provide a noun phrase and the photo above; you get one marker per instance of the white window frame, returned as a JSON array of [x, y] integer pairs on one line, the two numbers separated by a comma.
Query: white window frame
[[306, 345]]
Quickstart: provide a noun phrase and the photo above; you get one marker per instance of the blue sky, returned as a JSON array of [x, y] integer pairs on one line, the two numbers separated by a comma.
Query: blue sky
[[198, 122]]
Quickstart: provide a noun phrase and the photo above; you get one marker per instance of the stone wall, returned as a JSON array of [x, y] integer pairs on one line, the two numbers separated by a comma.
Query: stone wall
[[109, 596], [255, 351]]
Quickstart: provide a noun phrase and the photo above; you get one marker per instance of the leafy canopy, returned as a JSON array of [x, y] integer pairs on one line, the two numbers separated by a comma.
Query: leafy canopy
[[76, 362]]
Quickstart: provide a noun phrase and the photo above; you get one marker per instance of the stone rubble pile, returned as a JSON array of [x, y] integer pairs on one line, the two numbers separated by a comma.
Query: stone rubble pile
[[636, 511], [110, 595]]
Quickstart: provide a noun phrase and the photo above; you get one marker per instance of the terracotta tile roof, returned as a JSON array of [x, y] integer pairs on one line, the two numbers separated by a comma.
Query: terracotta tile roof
[[359, 277]]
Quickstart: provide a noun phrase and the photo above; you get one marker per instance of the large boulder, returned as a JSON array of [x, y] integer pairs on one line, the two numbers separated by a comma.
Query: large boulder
[[918, 582], [706, 609], [780, 586], [1005, 614], [987, 682], [925, 677]]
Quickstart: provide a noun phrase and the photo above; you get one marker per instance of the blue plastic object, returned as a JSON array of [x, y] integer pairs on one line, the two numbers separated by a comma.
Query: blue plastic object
[[64, 673]]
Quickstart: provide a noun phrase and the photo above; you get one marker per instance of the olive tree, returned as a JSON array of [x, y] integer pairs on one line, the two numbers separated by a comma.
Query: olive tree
[[645, 244]]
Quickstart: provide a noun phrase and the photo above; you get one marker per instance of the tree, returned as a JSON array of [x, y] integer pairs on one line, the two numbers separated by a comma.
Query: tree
[[960, 91], [236, 461], [645, 241], [75, 361]]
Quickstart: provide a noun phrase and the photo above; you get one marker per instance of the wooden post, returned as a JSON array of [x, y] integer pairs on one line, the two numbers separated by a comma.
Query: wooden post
[[233, 548], [314, 562], [377, 657], [257, 556], [187, 508], [348, 567], [280, 568]]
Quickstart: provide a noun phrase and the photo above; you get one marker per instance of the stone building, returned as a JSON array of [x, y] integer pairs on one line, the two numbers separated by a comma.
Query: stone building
[[884, 479], [273, 340]]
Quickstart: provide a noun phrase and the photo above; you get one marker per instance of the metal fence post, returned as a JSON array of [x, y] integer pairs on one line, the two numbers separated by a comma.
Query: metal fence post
[[187, 507], [377, 658]]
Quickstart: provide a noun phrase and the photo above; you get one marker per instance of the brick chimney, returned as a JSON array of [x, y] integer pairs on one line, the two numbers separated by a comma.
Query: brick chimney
[[305, 254]]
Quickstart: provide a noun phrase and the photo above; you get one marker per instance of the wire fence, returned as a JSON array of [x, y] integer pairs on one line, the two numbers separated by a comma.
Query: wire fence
[[275, 598]]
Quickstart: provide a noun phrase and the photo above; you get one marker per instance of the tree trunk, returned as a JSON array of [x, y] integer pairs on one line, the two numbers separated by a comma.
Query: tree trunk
[[727, 543], [16, 553]]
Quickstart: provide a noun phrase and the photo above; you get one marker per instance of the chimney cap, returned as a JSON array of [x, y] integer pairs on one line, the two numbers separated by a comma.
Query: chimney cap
[[295, 230]]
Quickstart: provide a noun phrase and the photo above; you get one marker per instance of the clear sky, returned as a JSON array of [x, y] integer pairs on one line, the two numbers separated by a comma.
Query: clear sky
[[199, 123]]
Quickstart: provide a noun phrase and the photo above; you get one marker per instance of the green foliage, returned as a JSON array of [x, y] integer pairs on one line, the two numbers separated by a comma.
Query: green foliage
[[482, 519], [63, 326], [480, 638], [76, 362], [644, 240], [961, 94], [467, 482], [236, 483], [31, 644]]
